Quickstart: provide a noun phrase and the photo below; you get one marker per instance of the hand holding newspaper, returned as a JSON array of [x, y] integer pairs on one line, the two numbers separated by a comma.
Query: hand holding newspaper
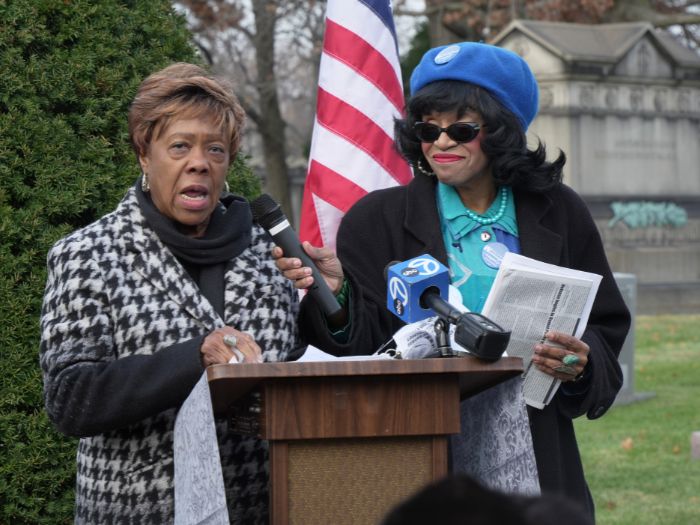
[[530, 298]]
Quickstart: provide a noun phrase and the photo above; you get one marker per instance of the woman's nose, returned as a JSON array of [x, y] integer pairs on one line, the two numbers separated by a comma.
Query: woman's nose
[[198, 160], [444, 141]]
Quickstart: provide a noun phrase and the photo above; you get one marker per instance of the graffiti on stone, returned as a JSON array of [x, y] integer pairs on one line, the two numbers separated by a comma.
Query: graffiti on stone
[[646, 214]]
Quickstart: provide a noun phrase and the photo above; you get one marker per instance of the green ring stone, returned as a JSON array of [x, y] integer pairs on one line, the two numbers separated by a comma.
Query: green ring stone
[[570, 359]]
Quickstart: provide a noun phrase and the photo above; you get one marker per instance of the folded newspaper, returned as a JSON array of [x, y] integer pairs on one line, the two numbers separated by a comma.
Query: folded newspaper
[[529, 298]]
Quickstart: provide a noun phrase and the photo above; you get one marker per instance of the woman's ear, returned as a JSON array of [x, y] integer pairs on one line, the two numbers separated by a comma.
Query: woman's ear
[[143, 162]]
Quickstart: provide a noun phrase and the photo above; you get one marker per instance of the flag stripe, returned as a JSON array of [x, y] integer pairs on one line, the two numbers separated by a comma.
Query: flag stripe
[[352, 50], [309, 229], [342, 82], [332, 217], [383, 11], [358, 19], [355, 127], [353, 163], [336, 189]]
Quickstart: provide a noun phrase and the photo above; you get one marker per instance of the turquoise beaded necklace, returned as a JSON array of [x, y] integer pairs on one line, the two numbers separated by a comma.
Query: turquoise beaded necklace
[[490, 220]]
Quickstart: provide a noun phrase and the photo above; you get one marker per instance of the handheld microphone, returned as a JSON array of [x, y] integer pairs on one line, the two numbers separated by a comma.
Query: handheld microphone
[[268, 214], [415, 291]]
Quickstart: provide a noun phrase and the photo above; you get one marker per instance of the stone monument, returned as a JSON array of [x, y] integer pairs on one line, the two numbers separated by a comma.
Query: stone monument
[[623, 102]]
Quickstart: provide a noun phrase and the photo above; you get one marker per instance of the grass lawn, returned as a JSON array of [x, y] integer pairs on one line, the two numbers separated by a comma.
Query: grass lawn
[[637, 457]]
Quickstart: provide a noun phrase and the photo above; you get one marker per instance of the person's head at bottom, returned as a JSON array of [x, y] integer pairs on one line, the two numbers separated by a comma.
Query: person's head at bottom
[[460, 500]]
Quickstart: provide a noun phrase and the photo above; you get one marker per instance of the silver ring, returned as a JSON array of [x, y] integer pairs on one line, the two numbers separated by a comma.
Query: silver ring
[[565, 369], [230, 340], [571, 359]]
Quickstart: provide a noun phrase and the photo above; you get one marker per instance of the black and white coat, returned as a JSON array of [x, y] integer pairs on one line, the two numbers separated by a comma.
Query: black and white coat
[[121, 327]]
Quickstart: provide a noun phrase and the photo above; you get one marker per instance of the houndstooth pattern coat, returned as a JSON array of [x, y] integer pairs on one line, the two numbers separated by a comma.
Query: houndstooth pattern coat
[[121, 327]]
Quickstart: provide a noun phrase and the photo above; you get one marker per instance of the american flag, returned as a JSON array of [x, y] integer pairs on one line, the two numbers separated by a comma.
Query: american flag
[[359, 95]]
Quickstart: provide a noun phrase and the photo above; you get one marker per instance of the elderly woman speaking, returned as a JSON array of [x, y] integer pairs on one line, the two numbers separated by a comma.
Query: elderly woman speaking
[[137, 304]]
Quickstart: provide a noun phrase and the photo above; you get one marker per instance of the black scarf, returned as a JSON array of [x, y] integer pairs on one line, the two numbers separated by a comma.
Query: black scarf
[[227, 236]]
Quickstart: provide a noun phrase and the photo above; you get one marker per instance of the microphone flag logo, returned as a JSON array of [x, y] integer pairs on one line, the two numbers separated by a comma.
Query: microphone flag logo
[[398, 291], [425, 265], [398, 294]]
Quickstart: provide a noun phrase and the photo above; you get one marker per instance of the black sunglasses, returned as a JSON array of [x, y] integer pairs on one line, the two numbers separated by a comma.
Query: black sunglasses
[[459, 131]]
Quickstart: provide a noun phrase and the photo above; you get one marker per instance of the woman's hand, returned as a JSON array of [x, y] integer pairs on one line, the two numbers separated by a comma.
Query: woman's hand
[[561, 356], [325, 259], [225, 344]]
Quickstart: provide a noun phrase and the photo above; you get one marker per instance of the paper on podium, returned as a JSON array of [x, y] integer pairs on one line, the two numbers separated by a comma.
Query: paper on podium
[[314, 354]]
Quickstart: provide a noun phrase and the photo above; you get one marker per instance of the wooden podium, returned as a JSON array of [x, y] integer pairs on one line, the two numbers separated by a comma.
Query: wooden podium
[[350, 439]]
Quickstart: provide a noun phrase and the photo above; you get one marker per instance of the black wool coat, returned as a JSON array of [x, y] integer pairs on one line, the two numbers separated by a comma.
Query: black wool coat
[[555, 227]]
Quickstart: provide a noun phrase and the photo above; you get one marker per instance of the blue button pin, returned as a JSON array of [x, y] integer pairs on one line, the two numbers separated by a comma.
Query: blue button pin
[[492, 254], [447, 54]]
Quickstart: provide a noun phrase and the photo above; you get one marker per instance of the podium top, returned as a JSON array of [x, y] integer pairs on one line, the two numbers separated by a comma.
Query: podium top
[[370, 367], [231, 381]]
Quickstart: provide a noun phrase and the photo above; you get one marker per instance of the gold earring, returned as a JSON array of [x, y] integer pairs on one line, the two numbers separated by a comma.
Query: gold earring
[[145, 187]]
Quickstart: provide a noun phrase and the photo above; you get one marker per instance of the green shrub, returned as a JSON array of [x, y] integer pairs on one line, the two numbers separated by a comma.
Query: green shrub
[[420, 43], [69, 70]]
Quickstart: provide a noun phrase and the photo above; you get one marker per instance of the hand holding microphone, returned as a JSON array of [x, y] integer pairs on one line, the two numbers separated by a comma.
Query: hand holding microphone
[[325, 260], [295, 261]]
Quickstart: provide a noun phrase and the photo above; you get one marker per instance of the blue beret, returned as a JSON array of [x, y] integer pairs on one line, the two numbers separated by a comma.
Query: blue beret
[[501, 72]]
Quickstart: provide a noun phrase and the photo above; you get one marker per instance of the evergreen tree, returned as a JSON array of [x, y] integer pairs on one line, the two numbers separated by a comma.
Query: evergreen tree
[[69, 70]]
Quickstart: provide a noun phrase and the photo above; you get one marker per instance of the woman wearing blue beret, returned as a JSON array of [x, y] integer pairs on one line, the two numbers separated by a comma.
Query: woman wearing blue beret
[[478, 191]]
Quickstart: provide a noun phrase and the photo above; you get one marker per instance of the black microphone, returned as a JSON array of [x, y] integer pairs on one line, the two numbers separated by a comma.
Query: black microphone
[[268, 214], [475, 332], [432, 300]]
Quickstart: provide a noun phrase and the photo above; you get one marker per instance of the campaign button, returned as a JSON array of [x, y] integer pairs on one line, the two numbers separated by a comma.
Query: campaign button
[[447, 54], [492, 254]]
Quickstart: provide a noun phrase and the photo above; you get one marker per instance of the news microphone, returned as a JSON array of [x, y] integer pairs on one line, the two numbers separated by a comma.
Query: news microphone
[[415, 291], [268, 214], [408, 280]]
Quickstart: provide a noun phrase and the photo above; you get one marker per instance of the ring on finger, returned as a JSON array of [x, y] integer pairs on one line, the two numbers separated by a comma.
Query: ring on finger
[[565, 369], [571, 359], [230, 340]]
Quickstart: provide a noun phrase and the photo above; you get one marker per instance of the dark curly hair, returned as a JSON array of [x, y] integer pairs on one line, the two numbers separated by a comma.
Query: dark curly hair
[[505, 143]]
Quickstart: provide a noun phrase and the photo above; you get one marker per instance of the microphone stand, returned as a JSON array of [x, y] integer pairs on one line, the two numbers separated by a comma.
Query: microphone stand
[[442, 337], [477, 334]]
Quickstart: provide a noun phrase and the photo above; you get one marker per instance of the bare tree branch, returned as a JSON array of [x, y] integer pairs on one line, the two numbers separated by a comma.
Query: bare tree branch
[[203, 50]]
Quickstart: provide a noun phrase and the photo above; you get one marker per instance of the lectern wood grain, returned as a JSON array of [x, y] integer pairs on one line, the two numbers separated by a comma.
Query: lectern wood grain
[[354, 406]]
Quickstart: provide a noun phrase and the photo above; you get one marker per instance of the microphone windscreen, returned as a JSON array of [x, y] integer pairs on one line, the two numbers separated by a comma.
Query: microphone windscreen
[[266, 211]]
